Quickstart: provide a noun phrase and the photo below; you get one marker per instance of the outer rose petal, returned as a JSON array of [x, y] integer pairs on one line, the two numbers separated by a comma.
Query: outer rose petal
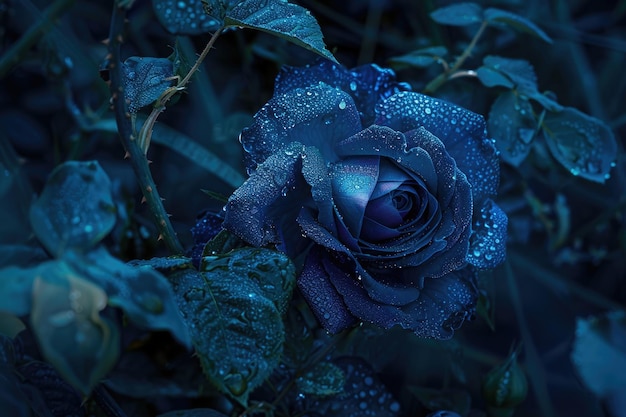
[[316, 116], [366, 84], [462, 131]]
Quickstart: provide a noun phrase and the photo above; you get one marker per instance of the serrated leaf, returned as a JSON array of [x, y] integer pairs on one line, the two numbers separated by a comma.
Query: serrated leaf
[[516, 74], [493, 15], [233, 311], [145, 79], [420, 58], [282, 19], [195, 412], [599, 353], [72, 336], [584, 145], [75, 210], [512, 125], [184, 17], [142, 293], [461, 14], [323, 379]]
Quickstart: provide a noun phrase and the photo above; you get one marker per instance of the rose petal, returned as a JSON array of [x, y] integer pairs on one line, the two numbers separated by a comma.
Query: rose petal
[[260, 204], [443, 304], [325, 302], [462, 131], [488, 241], [366, 84], [380, 140], [316, 116], [353, 180]]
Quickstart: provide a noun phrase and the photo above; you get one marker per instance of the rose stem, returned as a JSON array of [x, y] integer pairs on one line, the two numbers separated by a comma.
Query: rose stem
[[443, 77], [146, 130], [137, 157]]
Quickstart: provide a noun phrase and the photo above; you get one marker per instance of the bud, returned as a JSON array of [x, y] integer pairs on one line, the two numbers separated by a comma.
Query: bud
[[505, 387]]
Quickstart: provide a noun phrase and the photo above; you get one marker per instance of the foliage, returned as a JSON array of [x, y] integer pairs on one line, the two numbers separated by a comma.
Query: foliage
[[110, 306]]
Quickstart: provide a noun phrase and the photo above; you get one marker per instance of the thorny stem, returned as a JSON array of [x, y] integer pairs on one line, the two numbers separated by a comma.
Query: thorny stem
[[146, 130], [434, 85], [133, 151]]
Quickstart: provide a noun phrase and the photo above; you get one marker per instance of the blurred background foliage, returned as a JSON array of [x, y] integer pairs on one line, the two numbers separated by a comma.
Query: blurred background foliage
[[566, 258]]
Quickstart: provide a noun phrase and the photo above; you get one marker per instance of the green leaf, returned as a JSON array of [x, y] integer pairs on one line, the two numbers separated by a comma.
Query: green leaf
[[512, 125], [195, 412], [234, 312], [516, 74], [282, 19], [72, 336], [145, 79], [599, 353], [323, 379], [461, 14], [581, 143], [420, 58], [75, 210], [186, 17], [493, 15], [142, 293]]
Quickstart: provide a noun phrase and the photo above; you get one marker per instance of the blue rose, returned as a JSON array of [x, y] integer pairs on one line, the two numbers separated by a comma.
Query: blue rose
[[381, 194]]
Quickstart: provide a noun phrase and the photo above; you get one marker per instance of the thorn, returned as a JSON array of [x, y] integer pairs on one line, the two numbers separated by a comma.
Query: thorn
[[108, 56], [149, 189], [120, 39], [127, 155], [149, 161], [168, 215], [162, 222], [106, 41], [127, 115], [162, 199], [114, 96], [160, 237], [132, 137], [143, 199]]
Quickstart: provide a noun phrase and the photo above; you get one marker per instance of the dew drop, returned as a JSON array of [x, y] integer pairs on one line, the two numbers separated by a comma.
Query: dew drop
[[342, 105], [353, 86], [427, 110]]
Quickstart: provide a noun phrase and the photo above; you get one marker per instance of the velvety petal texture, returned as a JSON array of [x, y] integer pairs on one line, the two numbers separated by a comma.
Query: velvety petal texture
[[380, 194]]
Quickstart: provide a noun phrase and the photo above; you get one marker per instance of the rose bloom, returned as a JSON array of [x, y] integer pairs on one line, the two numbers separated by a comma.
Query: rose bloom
[[381, 196]]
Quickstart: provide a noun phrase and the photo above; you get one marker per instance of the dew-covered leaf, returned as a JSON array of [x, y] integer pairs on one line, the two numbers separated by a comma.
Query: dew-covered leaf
[[194, 412], [512, 125], [282, 19], [233, 310], [323, 379], [461, 14], [581, 143], [145, 79], [599, 353], [75, 210], [516, 74], [184, 17], [493, 15], [420, 58], [72, 336], [141, 292], [363, 393]]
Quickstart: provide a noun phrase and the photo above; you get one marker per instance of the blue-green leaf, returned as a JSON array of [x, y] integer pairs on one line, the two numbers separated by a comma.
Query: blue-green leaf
[[516, 74], [583, 144], [184, 17], [323, 379], [75, 210], [460, 14], [145, 79], [282, 19], [233, 310], [512, 125], [493, 15], [142, 293], [72, 336], [599, 353], [420, 58]]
